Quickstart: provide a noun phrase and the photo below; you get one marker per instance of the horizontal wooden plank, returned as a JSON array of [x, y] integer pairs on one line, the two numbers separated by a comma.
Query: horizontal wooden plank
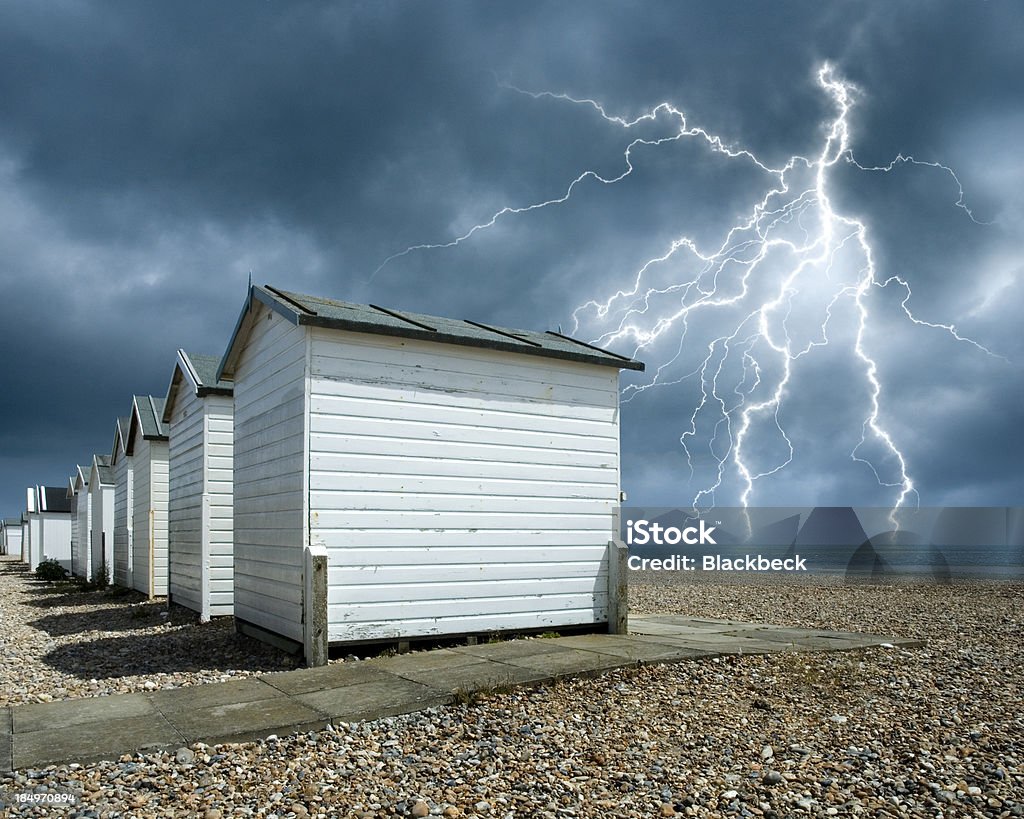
[[354, 358], [465, 594], [536, 487], [389, 394], [286, 587], [340, 612], [599, 522], [416, 465], [483, 414], [387, 548], [324, 502], [441, 450], [436, 626], [432, 575], [275, 617], [328, 426]]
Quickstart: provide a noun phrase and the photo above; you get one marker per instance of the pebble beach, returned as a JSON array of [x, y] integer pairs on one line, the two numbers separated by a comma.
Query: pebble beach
[[932, 731]]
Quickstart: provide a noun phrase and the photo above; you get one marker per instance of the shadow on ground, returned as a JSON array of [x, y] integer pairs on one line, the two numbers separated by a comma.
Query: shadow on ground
[[198, 647]]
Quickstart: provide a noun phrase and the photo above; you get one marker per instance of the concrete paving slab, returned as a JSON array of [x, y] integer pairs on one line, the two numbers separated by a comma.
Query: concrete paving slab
[[564, 661], [440, 658], [226, 693], [6, 729], [307, 680], [627, 649], [686, 650], [58, 715], [372, 700], [92, 741], [511, 649], [245, 721], [719, 644], [473, 674], [708, 623]]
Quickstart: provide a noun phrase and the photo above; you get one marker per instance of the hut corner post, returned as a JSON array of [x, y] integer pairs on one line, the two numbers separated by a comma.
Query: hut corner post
[[618, 579], [314, 601]]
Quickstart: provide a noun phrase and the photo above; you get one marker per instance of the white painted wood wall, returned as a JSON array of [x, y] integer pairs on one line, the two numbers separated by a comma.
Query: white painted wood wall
[[101, 538], [269, 470], [81, 558], [200, 524], [12, 539], [124, 514], [55, 538], [74, 531], [149, 524], [456, 489]]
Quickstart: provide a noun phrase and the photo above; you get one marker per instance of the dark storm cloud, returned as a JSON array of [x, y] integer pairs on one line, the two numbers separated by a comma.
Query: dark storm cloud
[[152, 154]]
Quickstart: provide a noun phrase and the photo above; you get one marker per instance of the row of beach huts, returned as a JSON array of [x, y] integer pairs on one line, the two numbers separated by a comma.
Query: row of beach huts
[[347, 473]]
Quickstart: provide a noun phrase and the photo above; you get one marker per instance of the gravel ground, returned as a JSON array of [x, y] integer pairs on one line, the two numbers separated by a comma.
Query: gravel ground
[[58, 643], [935, 731]]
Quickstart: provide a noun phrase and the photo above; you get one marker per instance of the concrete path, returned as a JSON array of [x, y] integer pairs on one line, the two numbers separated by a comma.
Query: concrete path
[[87, 730]]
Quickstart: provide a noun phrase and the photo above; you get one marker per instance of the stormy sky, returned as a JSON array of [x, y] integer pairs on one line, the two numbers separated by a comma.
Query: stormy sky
[[153, 154]]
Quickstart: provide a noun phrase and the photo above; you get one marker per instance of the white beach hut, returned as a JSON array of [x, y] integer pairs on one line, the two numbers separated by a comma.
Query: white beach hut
[[101, 539], [30, 541], [124, 511], [198, 414], [400, 475], [12, 537], [147, 446], [49, 526], [25, 536], [81, 506]]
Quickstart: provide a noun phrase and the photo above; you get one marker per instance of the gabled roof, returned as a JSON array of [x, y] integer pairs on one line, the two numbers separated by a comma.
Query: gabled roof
[[368, 318], [12, 522], [146, 414], [53, 499], [120, 438], [101, 468], [81, 477], [32, 499], [199, 372]]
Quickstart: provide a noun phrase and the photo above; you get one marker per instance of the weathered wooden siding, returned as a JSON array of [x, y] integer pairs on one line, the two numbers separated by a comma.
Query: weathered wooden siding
[[81, 559], [269, 458], [150, 490], [101, 540], [459, 489], [75, 536], [123, 517], [219, 499], [185, 500]]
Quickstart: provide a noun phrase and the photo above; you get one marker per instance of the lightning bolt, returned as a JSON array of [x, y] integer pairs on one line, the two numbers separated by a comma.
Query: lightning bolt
[[787, 258]]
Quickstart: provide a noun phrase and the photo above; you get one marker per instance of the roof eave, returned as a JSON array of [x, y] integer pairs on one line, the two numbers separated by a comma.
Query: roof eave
[[600, 359], [226, 371]]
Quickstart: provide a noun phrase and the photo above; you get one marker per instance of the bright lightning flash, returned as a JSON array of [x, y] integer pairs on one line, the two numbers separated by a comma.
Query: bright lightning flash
[[787, 258]]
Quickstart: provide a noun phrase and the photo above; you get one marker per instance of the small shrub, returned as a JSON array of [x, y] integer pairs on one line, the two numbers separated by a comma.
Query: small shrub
[[100, 578], [51, 571]]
